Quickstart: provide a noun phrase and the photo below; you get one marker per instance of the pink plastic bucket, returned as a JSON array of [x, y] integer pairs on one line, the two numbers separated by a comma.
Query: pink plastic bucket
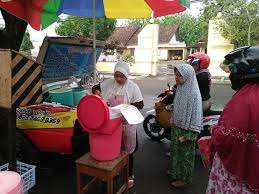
[[10, 183], [92, 113], [104, 147], [105, 134]]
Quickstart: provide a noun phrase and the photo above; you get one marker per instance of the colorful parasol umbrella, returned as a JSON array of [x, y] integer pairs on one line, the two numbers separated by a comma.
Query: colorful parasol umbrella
[[42, 13]]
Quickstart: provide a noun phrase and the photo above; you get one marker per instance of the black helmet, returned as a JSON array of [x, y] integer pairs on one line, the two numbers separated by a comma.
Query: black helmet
[[243, 65]]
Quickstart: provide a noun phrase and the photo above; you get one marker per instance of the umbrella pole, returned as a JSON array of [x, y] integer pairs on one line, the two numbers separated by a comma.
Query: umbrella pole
[[94, 40]]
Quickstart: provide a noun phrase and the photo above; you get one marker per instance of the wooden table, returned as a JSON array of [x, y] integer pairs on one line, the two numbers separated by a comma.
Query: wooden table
[[104, 171]]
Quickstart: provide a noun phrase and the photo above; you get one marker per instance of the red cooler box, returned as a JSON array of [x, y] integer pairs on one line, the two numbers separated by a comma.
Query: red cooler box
[[104, 127]]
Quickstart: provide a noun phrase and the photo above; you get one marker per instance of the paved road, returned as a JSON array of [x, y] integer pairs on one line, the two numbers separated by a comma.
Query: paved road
[[58, 174]]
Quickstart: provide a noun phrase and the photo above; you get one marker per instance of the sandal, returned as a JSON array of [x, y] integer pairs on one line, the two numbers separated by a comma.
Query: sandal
[[179, 184], [131, 182]]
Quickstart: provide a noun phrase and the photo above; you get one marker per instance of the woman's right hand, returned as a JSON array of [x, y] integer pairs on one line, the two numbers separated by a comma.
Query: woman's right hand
[[183, 139], [186, 140]]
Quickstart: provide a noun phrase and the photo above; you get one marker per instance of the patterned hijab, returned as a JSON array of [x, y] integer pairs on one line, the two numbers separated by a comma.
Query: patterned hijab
[[187, 112]]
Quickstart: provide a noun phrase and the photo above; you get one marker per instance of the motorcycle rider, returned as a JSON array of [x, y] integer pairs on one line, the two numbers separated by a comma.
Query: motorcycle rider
[[200, 62]]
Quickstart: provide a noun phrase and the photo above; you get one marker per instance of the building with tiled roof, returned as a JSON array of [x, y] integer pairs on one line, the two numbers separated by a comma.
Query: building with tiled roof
[[169, 46]]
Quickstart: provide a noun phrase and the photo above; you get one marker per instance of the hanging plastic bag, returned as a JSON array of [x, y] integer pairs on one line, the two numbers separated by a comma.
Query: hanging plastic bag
[[205, 147]]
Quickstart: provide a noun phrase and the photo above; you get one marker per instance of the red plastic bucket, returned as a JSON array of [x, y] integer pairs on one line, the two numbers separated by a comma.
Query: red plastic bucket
[[104, 147], [105, 134]]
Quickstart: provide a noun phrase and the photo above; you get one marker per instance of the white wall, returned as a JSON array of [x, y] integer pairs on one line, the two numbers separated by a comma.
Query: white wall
[[162, 54], [173, 45], [176, 43], [146, 51], [218, 47]]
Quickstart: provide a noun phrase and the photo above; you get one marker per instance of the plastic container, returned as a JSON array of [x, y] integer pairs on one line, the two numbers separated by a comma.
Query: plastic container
[[27, 173], [114, 113], [52, 140], [105, 147], [129, 112], [10, 183], [206, 151], [62, 96], [78, 94], [105, 134]]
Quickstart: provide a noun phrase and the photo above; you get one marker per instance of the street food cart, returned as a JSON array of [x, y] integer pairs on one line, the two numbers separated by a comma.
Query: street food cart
[[25, 84]]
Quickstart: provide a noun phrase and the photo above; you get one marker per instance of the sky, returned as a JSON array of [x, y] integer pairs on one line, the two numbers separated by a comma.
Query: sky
[[38, 36]]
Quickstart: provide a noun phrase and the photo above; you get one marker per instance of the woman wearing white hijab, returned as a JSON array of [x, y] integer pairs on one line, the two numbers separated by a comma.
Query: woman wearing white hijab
[[121, 90], [187, 124]]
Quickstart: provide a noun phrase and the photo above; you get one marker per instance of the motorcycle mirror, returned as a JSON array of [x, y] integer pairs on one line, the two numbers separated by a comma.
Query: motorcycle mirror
[[169, 86]]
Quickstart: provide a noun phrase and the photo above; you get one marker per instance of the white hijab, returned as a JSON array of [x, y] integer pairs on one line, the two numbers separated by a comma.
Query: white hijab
[[122, 67], [129, 90], [187, 112]]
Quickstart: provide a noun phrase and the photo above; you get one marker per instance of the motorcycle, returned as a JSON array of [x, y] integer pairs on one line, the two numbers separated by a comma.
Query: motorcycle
[[157, 124]]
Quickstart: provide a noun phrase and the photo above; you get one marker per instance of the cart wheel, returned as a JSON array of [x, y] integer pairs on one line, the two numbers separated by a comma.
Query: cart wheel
[[25, 150]]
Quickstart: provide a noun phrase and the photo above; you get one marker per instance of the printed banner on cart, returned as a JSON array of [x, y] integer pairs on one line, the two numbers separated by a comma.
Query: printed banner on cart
[[45, 117], [65, 60]]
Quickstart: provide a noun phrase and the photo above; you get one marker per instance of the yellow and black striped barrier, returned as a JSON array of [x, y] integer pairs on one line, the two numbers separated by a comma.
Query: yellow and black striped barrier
[[20, 80]]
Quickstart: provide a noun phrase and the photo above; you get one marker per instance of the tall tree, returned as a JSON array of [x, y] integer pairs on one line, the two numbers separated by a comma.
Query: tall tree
[[81, 26], [191, 29], [26, 45], [239, 19]]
